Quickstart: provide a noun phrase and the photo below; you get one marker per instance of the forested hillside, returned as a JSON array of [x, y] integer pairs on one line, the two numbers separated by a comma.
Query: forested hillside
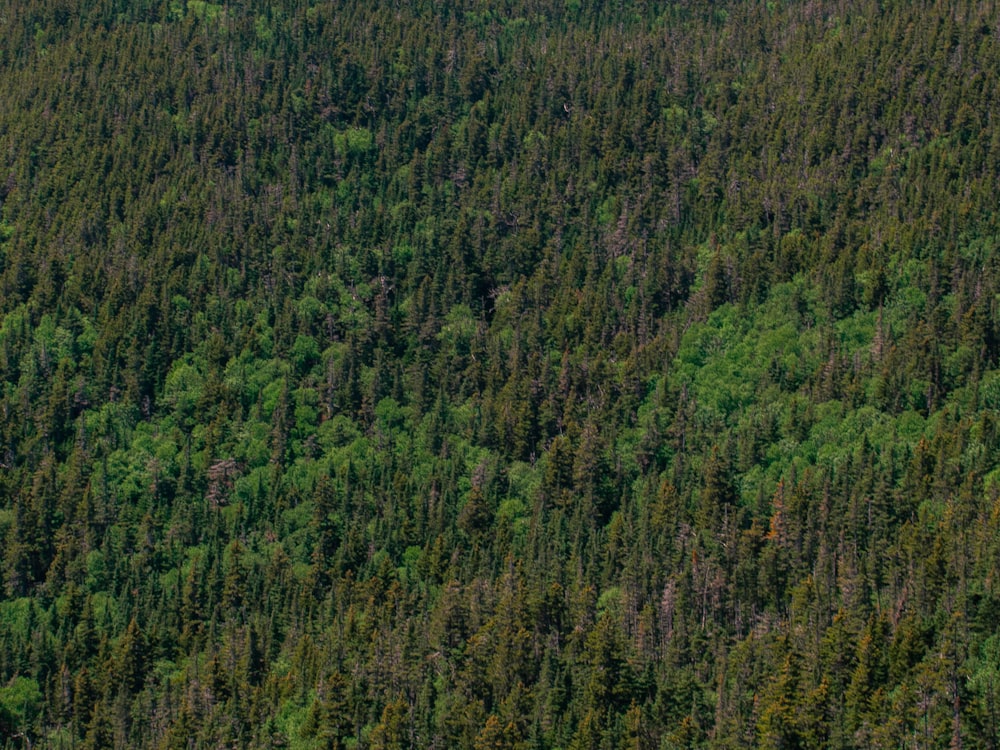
[[530, 374]]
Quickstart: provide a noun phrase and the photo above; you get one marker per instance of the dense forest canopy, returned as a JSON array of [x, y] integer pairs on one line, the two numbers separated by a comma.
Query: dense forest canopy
[[535, 374]]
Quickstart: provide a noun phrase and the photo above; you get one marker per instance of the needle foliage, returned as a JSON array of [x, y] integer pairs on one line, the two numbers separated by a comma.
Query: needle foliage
[[533, 374]]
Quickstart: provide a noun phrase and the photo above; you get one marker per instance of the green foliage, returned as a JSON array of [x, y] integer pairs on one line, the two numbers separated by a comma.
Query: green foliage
[[565, 375], [20, 706]]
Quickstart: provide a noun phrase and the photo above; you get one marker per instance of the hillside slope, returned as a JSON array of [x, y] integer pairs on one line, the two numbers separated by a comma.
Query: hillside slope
[[499, 375]]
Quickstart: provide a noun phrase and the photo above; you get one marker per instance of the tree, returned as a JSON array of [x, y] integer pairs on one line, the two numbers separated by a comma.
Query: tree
[[20, 706]]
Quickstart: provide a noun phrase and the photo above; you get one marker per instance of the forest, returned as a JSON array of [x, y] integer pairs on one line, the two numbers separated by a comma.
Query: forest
[[545, 374]]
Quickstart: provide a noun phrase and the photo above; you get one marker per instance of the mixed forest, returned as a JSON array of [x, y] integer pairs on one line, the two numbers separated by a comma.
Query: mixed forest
[[526, 374]]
